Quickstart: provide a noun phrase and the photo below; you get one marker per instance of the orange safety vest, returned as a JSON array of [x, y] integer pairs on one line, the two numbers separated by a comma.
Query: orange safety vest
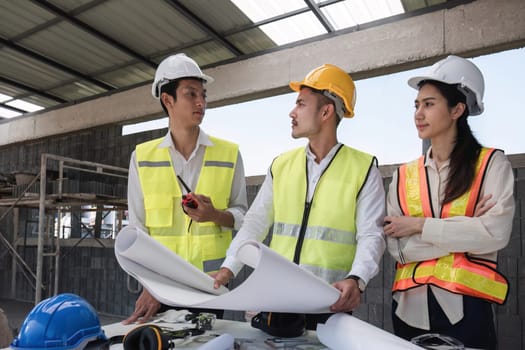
[[457, 272]]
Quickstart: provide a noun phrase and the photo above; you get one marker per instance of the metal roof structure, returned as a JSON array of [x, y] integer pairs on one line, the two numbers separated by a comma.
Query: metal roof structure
[[57, 52]]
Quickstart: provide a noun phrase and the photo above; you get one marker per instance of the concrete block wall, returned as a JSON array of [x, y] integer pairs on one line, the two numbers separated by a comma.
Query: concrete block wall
[[94, 273], [91, 270], [103, 145]]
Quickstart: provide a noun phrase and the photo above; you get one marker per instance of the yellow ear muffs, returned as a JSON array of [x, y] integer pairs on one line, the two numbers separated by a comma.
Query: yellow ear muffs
[[146, 337]]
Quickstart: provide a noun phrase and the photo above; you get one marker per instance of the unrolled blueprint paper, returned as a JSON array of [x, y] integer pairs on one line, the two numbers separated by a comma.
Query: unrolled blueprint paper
[[344, 332], [276, 284], [141, 249]]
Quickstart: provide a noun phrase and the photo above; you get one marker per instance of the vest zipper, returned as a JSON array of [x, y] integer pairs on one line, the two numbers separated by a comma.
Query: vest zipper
[[307, 207], [302, 232]]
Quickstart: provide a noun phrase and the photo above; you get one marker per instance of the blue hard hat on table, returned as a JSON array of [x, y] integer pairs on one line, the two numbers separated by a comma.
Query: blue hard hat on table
[[63, 322]]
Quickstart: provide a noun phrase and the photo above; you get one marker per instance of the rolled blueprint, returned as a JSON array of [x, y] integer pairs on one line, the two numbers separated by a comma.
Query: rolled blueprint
[[344, 332], [276, 284]]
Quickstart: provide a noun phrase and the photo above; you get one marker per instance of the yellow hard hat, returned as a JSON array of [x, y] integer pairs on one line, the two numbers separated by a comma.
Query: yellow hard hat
[[336, 82]]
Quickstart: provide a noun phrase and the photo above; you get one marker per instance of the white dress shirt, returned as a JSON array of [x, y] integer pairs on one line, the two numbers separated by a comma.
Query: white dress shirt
[[369, 218], [479, 236], [189, 170]]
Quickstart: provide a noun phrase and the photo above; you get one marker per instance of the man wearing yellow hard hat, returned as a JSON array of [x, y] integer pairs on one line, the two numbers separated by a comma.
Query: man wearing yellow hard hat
[[325, 201]]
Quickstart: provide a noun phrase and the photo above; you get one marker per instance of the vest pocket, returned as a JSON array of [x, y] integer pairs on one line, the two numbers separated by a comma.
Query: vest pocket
[[159, 210], [214, 246]]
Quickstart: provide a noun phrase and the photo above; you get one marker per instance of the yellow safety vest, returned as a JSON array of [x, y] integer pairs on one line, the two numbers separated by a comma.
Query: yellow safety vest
[[319, 236], [203, 244], [457, 272]]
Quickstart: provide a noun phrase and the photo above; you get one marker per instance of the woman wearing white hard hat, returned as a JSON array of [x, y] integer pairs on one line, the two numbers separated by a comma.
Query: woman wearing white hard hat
[[449, 213]]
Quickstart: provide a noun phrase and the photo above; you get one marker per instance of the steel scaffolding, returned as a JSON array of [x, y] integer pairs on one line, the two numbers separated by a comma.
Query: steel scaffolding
[[59, 202]]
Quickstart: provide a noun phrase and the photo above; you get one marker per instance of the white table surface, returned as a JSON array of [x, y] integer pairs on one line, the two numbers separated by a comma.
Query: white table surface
[[249, 338]]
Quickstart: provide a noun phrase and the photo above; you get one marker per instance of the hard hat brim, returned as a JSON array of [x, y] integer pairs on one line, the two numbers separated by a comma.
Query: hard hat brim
[[155, 89], [414, 81], [296, 85], [207, 79]]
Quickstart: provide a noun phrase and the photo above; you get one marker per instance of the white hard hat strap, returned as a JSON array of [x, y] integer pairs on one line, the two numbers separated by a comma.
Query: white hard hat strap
[[471, 98], [161, 83]]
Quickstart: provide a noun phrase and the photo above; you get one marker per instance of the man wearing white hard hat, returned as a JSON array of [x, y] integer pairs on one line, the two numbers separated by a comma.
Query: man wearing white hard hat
[[448, 214], [186, 189]]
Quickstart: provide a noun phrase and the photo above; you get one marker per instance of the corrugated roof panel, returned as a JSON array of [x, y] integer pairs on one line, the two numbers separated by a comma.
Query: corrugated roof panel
[[411, 5], [40, 101], [227, 19], [34, 73], [75, 48], [129, 75], [70, 5], [7, 93], [161, 25], [77, 90], [10, 90], [252, 41], [152, 29], [208, 53], [18, 17]]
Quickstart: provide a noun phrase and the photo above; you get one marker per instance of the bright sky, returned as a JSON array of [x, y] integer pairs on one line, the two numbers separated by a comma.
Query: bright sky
[[383, 123]]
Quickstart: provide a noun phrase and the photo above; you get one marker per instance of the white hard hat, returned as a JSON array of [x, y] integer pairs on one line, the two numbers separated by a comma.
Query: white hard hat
[[176, 67], [457, 70]]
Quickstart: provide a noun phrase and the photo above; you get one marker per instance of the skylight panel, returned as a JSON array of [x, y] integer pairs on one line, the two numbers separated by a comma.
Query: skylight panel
[[7, 113], [384, 8], [349, 13], [25, 106], [4, 98], [287, 30], [342, 14], [257, 10], [294, 28]]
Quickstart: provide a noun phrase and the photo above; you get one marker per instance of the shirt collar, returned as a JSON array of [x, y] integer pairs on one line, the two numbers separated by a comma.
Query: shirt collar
[[431, 163], [203, 140], [311, 156]]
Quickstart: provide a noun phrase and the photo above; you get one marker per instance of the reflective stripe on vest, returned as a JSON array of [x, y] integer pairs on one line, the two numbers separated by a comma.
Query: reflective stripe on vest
[[456, 272], [329, 243], [202, 244]]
